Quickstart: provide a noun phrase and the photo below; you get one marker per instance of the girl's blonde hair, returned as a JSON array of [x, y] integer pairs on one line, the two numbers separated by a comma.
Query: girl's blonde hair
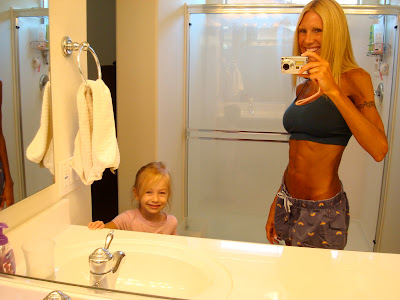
[[336, 43], [149, 175]]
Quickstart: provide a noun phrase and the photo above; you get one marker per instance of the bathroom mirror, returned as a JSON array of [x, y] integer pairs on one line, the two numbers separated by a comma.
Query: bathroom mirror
[[227, 156], [24, 73], [231, 115]]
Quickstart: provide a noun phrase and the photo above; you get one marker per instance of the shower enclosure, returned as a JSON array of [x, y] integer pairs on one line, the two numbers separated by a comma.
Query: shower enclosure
[[236, 146], [31, 68]]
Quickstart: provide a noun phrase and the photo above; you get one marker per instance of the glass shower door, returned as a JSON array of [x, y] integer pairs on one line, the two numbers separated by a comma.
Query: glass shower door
[[237, 148]]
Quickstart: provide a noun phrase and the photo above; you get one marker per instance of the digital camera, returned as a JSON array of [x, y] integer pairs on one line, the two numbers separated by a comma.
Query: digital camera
[[292, 64]]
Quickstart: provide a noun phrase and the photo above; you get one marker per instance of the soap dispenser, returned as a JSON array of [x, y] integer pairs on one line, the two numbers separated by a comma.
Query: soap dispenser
[[7, 258]]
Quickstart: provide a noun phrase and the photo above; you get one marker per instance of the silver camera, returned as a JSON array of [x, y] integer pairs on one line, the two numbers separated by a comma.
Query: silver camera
[[292, 64]]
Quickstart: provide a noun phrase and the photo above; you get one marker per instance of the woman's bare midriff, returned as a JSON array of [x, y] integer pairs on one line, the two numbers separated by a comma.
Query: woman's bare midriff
[[312, 172]]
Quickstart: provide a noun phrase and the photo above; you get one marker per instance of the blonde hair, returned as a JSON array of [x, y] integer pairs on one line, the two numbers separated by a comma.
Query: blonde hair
[[336, 43], [149, 175]]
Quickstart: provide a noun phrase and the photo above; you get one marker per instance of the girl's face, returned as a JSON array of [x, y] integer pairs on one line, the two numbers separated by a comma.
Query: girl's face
[[154, 199], [310, 33]]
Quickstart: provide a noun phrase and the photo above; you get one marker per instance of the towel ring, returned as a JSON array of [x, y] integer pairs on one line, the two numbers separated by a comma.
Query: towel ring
[[85, 46], [68, 47]]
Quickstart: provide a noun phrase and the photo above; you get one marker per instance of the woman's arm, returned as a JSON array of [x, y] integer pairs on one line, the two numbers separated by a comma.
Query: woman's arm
[[360, 112], [8, 194]]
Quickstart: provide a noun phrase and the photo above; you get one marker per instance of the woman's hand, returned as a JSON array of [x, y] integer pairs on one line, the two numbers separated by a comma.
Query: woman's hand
[[319, 72], [96, 225], [270, 226]]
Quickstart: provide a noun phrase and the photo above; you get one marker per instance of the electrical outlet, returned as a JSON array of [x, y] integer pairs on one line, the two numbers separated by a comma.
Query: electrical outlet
[[69, 180]]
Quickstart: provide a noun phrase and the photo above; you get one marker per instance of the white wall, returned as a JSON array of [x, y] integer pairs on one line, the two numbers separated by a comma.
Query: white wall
[[65, 80]]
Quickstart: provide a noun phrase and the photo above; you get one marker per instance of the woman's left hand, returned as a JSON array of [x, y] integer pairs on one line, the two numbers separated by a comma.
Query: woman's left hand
[[319, 72]]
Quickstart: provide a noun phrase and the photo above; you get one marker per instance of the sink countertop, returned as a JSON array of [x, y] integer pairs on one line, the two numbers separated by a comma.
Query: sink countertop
[[263, 271], [256, 271]]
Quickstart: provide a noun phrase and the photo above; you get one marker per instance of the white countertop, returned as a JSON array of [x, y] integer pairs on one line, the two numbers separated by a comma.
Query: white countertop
[[255, 271], [261, 271]]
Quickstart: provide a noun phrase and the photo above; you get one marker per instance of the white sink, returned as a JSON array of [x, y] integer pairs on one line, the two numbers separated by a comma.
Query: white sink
[[150, 267]]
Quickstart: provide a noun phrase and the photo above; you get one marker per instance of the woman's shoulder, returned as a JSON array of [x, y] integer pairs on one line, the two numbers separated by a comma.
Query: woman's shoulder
[[355, 75], [357, 84]]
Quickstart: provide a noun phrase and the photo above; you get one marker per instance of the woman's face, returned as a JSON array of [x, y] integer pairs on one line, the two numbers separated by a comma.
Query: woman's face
[[310, 33]]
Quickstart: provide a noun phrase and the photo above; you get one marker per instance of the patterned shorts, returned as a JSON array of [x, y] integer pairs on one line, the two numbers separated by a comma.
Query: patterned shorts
[[308, 223]]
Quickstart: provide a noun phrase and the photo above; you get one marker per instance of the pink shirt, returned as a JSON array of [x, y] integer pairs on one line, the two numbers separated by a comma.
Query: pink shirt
[[134, 221]]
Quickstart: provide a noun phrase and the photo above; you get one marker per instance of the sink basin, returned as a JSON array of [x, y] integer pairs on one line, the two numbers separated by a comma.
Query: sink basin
[[149, 267]]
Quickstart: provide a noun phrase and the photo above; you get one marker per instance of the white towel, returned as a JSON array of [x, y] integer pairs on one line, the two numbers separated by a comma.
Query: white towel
[[41, 149], [96, 147]]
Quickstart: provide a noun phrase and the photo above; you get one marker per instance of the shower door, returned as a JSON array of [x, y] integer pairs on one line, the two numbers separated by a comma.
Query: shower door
[[237, 148], [31, 73]]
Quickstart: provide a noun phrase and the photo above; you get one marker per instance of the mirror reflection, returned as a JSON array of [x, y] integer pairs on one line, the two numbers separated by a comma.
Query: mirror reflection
[[229, 53], [24, 78], [225, 95], [236, 144]]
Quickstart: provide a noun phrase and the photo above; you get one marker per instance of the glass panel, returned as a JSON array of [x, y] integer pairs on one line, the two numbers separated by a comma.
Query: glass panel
[[235, 84], [232, 58], [33, 65], [231, 185]]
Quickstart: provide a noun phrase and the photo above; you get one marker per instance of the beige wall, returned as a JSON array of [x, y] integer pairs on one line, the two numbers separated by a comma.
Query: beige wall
[[136, 90], [150, 92]]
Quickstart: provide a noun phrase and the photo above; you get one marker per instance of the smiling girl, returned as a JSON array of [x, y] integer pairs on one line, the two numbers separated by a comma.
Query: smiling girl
[[152, 190]]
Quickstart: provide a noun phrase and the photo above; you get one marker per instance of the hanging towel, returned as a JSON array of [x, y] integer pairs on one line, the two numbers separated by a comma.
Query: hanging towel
[[96, 147], [41, 148]]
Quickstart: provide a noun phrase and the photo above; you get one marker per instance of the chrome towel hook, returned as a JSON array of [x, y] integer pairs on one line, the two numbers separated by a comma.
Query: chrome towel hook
[[68, 47]]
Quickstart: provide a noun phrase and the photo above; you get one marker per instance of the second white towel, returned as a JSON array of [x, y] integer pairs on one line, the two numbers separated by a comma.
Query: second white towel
[[96, 147]]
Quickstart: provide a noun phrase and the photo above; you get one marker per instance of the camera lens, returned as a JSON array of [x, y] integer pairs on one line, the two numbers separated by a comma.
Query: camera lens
[[286, 66]]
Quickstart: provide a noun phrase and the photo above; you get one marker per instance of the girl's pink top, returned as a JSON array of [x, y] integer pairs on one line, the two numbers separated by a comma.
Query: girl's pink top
[[134, 221]]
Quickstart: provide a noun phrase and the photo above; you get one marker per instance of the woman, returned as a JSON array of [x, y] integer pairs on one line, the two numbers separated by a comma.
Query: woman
[[310, 208], [6, 183]]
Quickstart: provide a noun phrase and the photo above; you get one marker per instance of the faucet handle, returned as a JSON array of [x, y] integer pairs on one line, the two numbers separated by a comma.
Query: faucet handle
[[100, 261], [109, 239], [57, 295]]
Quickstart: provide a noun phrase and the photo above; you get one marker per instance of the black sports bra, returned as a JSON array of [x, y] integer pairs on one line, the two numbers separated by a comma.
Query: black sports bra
[[318, 121]]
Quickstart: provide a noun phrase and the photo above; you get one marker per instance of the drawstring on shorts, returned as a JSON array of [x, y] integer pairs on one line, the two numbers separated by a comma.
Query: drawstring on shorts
[[286, 202]]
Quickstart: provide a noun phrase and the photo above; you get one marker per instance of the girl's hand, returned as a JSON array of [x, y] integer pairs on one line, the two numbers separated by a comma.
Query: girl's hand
[[319, 72], [96, 225]]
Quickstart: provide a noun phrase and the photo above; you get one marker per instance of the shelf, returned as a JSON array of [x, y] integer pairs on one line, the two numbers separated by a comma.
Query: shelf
[[42, 45]]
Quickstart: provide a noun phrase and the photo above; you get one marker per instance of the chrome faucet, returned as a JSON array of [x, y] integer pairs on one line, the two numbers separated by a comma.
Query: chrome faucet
[[57, 295], [104, 266]]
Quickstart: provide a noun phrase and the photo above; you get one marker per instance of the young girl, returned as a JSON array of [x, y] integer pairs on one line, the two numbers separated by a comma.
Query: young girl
[[152, 190]]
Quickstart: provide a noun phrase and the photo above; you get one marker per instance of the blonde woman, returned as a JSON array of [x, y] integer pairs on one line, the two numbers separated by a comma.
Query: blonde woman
[[152, 190], [335, 101]]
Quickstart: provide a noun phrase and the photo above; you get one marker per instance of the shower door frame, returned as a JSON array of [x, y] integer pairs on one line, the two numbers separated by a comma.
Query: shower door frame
[[14, 15], [290, 9]]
